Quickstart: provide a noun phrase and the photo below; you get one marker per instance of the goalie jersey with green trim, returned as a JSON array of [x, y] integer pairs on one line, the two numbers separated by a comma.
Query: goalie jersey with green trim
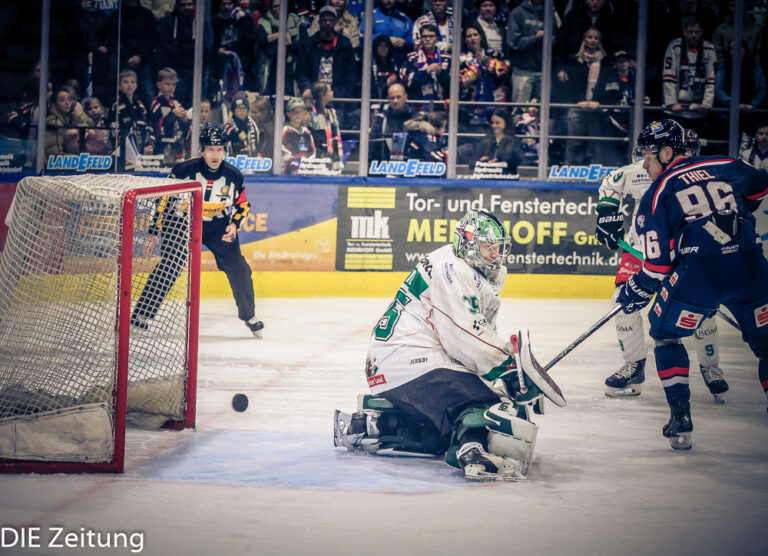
[[442, 317]]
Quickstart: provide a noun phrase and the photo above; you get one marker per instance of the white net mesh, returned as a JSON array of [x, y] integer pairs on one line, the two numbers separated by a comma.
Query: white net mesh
[[59, 294]]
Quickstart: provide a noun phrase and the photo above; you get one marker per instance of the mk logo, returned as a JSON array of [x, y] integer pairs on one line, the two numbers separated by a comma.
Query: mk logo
[[370, 227]]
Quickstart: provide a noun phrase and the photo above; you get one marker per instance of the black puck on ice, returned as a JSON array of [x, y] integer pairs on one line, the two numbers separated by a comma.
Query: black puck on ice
[[240, 402]]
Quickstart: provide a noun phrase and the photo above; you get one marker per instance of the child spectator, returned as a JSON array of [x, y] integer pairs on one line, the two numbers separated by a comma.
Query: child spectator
[[169, 119], [756, 154], [134, 134], [297, 139], [264, 116], [241, 132], [424, 140], [59, 136], [324, 125], [96, 138], [205, 114]]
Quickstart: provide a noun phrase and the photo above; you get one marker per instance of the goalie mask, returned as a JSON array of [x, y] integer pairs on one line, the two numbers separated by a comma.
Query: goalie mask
[[481, 240]]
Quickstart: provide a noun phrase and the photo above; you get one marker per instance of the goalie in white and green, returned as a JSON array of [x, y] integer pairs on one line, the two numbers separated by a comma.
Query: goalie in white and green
[[442, 379]]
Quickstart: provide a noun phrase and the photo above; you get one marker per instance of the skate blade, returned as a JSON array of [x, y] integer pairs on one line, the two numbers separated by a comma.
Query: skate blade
[[257, 335], [718, 399], [629, 391], [681, 441], [478, 473]]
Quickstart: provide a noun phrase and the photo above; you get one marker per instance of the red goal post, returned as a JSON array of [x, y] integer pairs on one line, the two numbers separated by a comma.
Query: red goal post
[[83, 253]]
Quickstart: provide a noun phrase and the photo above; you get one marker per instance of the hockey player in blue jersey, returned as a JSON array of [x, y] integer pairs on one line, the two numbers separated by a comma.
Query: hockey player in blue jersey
[[697, 234]]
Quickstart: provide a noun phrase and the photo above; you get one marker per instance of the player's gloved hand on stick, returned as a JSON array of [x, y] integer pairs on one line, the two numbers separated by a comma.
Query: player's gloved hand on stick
[[635, 294], [610, 226]]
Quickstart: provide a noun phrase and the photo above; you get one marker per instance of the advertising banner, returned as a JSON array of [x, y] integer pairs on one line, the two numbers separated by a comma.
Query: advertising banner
[[290, 226], [391, 228]]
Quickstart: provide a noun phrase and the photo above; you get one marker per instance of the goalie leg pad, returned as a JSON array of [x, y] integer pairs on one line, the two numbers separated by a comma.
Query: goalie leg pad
[[510, 436]]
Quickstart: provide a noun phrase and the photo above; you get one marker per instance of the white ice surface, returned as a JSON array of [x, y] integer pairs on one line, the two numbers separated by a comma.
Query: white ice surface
[[268, 481]]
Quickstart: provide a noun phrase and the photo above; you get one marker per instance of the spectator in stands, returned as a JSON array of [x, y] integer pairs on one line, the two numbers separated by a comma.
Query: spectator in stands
[[97, 138], [667, 22], [424, 139], [753, 83], [442, 21], [89, 33], [264, 116], [483, 76], [58, 133], [529, 125], [752, 35], [426, 72], [756, 152], [384, 70], [689, 77], [296, 41], [297, 139], [324, 125], [576, 82], [389, 21], [346, 24], [332, 60], [388, 131], [707, 12], [486, 19], [169, 119], [241, 131], [590, 13], [159, 8], [205, 114], [618, 89], [176, 45], [233, 43], [524, 40], [500, 143], [134, 134], [137, 29]]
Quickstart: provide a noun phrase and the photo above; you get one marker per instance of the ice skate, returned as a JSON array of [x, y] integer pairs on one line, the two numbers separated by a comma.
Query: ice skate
[[715, 381], [479, 465], [679, 427], [255, 326], [627, 381]]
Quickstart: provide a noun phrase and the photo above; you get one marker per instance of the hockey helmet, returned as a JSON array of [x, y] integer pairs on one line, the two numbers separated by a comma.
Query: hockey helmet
[[212, 137], [659, 134], [481, 240], [692, 144]]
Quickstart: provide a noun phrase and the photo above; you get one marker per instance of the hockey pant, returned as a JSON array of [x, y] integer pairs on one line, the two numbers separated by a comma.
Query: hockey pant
[[229, 259], [692, 293], [630, 333], [435, 403]]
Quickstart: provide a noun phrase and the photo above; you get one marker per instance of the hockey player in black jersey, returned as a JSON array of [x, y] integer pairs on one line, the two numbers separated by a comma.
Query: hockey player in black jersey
[[700, 249], [224, 209]]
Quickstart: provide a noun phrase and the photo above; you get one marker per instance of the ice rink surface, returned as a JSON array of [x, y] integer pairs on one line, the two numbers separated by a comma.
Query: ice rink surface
[[268, 481]]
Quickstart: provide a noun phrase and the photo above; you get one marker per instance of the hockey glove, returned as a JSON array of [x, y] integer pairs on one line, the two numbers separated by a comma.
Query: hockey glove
[[610, 226], [635, 294]]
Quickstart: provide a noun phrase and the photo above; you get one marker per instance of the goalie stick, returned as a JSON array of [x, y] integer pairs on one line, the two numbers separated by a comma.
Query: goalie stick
[[628, 248]]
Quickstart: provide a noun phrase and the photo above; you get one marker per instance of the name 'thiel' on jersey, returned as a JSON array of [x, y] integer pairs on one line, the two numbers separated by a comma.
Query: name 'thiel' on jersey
[[700, 205]]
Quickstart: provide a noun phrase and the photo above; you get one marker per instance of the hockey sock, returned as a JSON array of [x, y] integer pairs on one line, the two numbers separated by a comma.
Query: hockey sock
[[673, 366], [706, 342]]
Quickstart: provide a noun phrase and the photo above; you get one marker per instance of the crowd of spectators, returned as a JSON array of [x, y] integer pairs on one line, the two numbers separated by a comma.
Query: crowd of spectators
[[689, 51]]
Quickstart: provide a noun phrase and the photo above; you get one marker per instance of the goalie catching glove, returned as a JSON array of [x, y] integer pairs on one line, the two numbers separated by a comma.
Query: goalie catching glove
[[636, 293], [610, 225]]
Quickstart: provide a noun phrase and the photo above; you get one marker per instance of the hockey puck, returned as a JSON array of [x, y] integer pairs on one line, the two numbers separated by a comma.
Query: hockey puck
[[240, 402]]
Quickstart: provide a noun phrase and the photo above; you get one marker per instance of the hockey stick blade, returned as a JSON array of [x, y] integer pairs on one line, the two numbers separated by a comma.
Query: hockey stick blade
[[592, 329]]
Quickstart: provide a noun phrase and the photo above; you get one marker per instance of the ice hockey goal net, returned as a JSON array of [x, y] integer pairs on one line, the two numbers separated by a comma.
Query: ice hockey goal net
[[99, 285]]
